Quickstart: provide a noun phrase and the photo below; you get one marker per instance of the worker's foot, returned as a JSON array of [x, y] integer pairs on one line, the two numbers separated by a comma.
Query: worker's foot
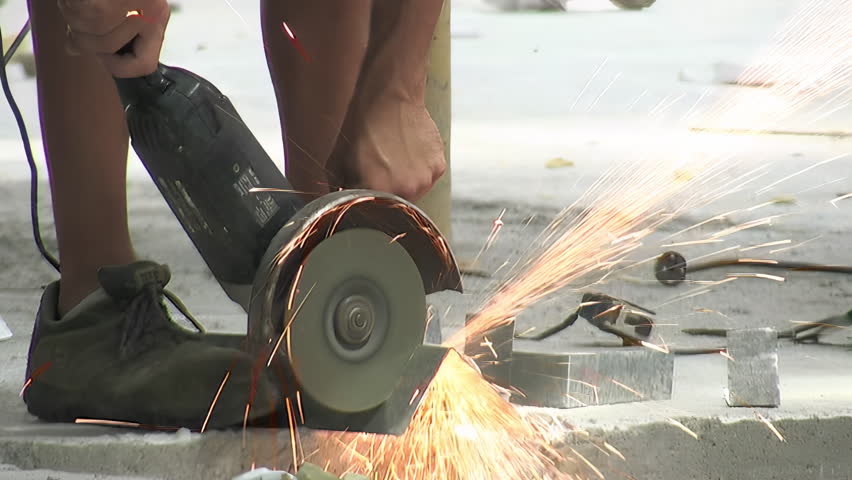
[[393, 143], [118, 356]]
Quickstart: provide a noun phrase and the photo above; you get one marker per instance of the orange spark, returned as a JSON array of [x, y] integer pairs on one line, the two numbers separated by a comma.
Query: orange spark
[[36, 373], [109, 423], [631, 390], [840, 198], [658, 348], [215, 399], [755, 260], [272, 190], [683, 427], [299, 404], [614, 451], [796, 245], [286, 329], [589, 464], [26, 385], [770, 426], [245, 423], [414, 396], [295, 41], [294, 290], [757, 275], [490, 345], [294, 433], [693, 242], [462, 430], [495, 229]]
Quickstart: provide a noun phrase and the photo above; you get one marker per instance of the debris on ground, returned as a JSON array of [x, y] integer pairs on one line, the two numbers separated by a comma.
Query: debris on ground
[[5, 333], [558, 162]]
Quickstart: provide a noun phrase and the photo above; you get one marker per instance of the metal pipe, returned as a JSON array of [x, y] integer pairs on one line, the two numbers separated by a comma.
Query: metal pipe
[[671, 267], [436, 203]]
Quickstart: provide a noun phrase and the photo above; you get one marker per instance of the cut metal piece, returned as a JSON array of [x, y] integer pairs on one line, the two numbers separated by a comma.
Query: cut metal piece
[[609, 314], [753, 379], [492, 352], [357, 315], [434, 336], [602, 377]]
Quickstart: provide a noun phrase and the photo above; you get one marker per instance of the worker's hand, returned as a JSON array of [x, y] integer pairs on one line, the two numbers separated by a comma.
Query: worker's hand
[[105, 27], [396, 149]]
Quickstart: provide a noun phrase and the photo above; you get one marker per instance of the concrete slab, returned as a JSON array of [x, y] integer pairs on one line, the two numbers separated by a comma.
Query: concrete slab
[[9, 472], [730, 443], [540, 69], [493, 351]]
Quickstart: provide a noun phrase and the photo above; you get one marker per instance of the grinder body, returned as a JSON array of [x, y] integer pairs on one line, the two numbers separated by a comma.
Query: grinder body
[[205, 162], [354, 358]]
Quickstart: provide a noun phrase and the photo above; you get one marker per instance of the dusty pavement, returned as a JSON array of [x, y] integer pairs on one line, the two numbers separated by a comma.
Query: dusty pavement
[[525, 92]]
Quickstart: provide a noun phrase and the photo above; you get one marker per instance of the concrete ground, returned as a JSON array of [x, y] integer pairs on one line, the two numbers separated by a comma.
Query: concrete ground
[[525, 92]]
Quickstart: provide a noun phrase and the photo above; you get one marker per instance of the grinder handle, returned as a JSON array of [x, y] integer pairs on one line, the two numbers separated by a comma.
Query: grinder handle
[[131, 90]]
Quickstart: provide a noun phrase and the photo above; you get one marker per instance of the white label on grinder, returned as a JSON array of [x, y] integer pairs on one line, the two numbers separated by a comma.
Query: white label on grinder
[[261, 204]]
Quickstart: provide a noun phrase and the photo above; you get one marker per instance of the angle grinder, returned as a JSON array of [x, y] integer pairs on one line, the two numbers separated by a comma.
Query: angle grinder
[[335, 288]]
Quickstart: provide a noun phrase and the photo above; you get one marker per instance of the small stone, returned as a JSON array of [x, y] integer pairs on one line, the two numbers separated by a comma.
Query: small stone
[[753, 379], [355, 476], [5, 333], [784, 200], [558, 162]]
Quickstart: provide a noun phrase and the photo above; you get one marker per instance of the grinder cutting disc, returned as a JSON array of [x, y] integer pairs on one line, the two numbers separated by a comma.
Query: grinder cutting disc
[[358, 314]]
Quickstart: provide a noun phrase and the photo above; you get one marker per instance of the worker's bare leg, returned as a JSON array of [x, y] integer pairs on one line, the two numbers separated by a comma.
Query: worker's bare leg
[[394, 144], [314, 93], [85, 139]]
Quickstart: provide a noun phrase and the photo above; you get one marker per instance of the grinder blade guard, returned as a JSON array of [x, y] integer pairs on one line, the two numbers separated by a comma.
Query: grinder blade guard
[[334, 288]]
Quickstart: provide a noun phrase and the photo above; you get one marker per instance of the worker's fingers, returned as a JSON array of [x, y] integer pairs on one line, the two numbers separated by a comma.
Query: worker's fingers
[[107, 43], [97, 17], [411, 188], [144, 54]]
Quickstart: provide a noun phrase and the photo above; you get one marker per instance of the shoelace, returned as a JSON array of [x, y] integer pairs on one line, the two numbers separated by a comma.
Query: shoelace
[[146, 313], [141, 291]]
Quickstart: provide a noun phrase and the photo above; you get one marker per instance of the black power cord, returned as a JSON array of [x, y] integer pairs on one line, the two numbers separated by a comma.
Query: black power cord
[[27, 146], [25, 137], [16, 43]]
